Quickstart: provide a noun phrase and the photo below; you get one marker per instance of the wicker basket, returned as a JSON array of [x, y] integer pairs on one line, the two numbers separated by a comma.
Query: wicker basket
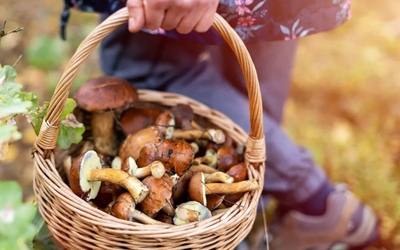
[[77, 225]]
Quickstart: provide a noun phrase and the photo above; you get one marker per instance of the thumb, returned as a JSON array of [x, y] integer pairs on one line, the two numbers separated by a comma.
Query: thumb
[[136, 15]]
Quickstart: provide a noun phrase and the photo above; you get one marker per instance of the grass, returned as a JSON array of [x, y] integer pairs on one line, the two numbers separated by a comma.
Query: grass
[[343, 102]]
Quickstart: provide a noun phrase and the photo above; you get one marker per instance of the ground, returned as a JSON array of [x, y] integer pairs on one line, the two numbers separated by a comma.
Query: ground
[[342, 105]]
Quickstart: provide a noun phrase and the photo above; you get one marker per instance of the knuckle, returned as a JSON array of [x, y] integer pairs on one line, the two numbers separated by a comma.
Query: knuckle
[[184, 4], [132, 4]]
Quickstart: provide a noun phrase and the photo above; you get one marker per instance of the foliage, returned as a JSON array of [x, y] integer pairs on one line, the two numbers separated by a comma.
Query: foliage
[[17, 225], [14, 101]]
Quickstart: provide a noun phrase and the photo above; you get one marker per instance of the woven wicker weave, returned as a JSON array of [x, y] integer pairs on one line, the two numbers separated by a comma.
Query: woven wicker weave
[[77, 225]]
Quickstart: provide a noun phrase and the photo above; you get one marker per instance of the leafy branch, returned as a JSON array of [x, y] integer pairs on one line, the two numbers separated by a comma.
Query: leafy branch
[[14, 101]]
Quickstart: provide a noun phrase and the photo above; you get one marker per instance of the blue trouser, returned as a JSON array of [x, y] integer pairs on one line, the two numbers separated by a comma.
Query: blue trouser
[[161, 63]]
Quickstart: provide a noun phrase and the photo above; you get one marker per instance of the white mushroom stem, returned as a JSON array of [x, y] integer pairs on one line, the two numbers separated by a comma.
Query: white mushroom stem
[[143, 218], [215, 135], [103, 132], [135, 187], [218, 177], [203, 168], [156, 169], [231, 188]]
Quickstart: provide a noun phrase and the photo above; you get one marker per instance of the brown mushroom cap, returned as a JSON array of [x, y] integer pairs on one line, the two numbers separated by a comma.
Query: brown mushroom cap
[[104, 93], [197, 189], [135, 119], [226, 158], [176, 155], [159, 196], [238, 172]]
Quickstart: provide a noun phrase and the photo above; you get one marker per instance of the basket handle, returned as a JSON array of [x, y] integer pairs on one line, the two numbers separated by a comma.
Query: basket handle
[[47, 138]]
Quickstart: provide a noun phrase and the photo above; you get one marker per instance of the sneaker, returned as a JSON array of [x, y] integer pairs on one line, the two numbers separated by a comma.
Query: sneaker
[[346, 224]]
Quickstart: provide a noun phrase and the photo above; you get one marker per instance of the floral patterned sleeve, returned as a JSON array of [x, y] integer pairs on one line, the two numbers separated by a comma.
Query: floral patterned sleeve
[[253, 20]]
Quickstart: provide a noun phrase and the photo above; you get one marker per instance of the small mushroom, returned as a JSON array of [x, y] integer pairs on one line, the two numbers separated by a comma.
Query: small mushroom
[[135, 119], [190, 211], [184, 117], [159, 197], [211, 134], [125, 208], [165, 123], [87, 175], [238, 172], [209, 158], [226, 158], [106, 97], [198, 189], [156, 169]]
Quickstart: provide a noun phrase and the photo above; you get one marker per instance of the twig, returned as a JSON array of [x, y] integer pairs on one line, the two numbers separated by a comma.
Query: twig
[[3, 30], [17, 61]]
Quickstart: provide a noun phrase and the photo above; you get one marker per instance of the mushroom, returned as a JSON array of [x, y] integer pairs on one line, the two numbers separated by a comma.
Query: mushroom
[[238, 172], [226, 158], [163, 217], [176, 155], [108, 191], [134, 142], [135, 118], [125, 208], [87, 175], [198, 189], [190, 211], [218, 177], [203, 168], [159, 197], [156, 169], [184, 117], [209, 158], [214, 201], [179, 190], [105, 97], [165, 123], [211, 134]]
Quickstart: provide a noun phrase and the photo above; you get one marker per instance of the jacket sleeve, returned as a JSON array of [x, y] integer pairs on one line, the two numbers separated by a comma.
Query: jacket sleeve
[[99, 6]]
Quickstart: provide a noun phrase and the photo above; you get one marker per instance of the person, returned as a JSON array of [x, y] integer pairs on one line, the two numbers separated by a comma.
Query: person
[[168, 45]]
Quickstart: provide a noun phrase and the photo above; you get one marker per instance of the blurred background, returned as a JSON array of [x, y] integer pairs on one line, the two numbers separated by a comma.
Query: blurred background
[[343, 103]]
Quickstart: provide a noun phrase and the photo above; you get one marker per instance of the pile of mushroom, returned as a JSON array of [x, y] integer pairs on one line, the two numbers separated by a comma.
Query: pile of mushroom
[[151, 164]]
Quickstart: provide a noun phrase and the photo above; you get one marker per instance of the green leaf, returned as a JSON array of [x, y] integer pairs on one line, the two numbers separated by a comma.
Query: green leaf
[[8, 133], [69, 135], [9, 72], [16, 227], [69, 107]]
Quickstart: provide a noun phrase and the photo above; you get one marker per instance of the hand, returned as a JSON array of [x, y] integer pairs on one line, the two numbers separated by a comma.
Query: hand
[[182, 15]]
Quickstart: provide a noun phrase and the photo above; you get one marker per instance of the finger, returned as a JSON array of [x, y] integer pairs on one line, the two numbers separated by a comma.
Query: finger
[[171, 19], [177, 11], [205, 22], [155, 12], [200, 18], [136, 15]]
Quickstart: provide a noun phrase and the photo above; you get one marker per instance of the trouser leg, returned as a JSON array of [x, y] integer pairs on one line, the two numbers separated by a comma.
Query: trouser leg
[[169, 65]]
